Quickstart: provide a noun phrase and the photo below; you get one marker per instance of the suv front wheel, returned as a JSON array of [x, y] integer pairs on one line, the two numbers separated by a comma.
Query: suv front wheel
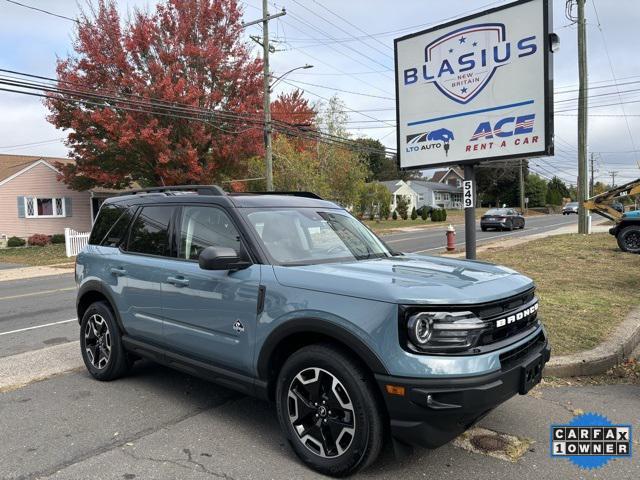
[[329, 410], [101, 344]]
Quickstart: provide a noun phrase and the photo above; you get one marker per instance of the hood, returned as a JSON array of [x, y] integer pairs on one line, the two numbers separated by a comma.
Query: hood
[[409, 279]]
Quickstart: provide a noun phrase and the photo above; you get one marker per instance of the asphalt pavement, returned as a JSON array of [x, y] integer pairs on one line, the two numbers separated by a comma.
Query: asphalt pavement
[[160, 424], [432, 240], [31, 312]]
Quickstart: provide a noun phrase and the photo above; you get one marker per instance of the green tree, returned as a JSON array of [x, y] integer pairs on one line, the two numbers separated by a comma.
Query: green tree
[[536, 190], [556, 191], [395, 215], [373, 155], [402, 206], [374, 199], [424, 213], [414, 214]]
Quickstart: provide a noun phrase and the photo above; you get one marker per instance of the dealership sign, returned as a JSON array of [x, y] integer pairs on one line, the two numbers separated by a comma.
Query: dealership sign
[[475, 89]]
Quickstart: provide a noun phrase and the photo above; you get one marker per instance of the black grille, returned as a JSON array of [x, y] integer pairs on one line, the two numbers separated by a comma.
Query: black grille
[[510, 358]]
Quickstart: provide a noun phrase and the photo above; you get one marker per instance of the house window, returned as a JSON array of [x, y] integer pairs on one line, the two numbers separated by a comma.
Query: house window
[[438, 196], [44, 207]]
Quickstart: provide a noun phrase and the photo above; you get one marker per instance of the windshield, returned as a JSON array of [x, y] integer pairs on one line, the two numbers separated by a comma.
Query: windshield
[[303, 236], [572, 204], [496, 211]]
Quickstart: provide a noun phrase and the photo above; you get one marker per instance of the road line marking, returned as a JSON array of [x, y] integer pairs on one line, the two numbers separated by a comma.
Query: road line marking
[[22, 295], [39, 326]]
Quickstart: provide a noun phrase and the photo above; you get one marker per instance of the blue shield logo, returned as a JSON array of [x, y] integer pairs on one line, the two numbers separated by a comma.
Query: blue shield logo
[[463, 61]]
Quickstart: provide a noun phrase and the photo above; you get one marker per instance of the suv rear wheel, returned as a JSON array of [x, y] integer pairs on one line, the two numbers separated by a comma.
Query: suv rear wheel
[[629, 239], [329, 410], [101, 345]]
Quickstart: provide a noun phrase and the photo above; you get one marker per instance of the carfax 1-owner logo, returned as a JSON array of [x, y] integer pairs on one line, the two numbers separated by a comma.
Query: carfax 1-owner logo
[[591, 441]]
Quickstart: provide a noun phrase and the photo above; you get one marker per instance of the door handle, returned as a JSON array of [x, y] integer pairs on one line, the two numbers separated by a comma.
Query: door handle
[[178, 281], [118, 271]]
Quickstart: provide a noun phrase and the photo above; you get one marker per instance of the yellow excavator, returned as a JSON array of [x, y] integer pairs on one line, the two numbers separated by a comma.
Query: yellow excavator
[[627, 227]]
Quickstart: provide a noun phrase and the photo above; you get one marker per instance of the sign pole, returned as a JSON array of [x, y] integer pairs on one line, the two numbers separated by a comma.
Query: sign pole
[[469, 192]]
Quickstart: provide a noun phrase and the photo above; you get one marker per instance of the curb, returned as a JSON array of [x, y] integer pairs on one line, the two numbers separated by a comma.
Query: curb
[[610, 353]]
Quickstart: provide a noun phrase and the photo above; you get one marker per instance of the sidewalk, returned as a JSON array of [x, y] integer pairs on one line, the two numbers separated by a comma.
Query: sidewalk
[[33, 272]]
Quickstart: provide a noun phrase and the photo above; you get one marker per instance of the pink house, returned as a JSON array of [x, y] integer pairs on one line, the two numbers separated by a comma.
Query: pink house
[[33, 200]]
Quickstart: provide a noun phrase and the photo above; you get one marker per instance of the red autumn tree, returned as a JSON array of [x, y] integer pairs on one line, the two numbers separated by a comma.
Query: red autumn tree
[[294, 116], [186, 52]]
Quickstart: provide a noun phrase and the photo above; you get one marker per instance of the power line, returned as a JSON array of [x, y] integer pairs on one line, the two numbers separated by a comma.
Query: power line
[[30, 7], [606, 49]]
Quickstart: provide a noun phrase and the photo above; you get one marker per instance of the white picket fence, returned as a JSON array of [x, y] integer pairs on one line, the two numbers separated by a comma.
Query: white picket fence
[[74, 241]]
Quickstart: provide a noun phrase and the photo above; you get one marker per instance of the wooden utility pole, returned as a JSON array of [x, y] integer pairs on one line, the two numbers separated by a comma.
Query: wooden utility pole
[[583, 173], [268, 152], [613, 178]]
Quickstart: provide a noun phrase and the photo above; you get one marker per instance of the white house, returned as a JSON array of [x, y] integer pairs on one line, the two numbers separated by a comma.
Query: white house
[[400, 187], [434, 194], [422, 192]]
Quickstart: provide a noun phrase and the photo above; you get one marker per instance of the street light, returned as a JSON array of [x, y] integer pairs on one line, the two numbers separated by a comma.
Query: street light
[[277, 79], [268, 154]]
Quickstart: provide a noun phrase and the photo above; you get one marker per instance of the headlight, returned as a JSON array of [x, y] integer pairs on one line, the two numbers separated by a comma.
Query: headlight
[[443, 332]]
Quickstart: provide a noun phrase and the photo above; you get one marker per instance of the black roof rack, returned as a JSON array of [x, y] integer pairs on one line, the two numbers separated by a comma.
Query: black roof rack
[[199, 189], [293, 194]]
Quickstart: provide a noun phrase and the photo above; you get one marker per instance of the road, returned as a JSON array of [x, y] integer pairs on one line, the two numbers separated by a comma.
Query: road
[[159, 424], [431, 240]]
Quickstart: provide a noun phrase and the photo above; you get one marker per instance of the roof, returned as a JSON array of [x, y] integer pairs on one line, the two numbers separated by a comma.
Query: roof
[[435, 186], [12, 164], [392, 185], [238, 200], [440, 174]]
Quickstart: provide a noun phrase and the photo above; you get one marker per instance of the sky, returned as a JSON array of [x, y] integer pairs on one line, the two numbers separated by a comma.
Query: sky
[[350, 45]]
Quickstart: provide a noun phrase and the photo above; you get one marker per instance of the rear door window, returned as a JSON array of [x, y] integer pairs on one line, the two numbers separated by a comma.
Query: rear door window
[[108, 216], [150, 231]]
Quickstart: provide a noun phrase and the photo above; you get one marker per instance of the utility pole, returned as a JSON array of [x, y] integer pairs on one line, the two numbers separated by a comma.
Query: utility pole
[[521, 186], [268, 152], [583, 214], [613, 178], [591, 183]]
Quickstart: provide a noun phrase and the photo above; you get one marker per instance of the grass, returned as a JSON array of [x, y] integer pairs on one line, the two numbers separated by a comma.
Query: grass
[[34, 256], [586, 285]]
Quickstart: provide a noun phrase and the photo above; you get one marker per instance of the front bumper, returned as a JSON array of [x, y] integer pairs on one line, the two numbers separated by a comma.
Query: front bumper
[[434, 411]]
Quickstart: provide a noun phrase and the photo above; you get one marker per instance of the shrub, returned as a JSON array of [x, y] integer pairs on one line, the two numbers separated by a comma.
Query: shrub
[[414, 214], [38, 240], [57, 238], [395, 215], [15, 242], [438, 215], [402, 206], [384, 210], [424, 214]]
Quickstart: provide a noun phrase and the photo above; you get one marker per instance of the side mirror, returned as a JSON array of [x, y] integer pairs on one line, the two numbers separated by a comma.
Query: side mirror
[[221, 258]]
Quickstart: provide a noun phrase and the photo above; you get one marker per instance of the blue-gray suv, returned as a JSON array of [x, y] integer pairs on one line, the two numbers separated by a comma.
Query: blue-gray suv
[[288, 297]]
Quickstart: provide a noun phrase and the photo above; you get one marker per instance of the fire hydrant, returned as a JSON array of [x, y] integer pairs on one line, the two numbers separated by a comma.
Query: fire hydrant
[[451, 239]]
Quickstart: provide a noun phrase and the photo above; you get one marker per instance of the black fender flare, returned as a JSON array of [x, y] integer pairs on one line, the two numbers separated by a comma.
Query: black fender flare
[[96, 286], [322, 327]]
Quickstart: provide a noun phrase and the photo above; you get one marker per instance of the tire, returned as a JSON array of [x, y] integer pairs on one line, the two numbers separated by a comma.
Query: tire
[[101, 343], [484, 229], [629, 239], [303, 385], [510, 226]]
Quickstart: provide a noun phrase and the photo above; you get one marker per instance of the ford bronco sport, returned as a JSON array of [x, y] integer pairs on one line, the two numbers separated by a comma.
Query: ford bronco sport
[[290, 298]]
